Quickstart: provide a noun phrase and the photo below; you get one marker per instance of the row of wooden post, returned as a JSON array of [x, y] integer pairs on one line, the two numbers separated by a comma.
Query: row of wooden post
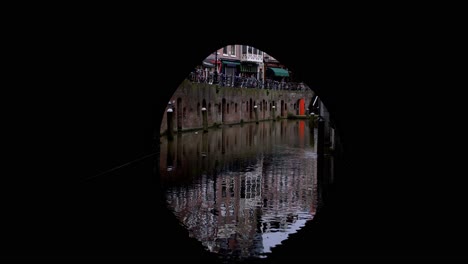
[[170, 112]]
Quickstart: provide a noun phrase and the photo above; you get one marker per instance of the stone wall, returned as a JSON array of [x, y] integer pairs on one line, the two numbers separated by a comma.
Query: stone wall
[[229, 105]]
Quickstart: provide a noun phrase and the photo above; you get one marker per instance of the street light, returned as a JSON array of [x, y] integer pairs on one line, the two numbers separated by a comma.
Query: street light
[[215, 80]]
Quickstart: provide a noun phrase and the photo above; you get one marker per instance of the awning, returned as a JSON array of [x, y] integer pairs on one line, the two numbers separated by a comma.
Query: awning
[[208, 65], [231, 63], [279, 72]]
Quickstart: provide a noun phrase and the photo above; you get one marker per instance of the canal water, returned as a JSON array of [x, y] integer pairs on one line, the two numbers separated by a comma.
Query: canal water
[[243, 189]]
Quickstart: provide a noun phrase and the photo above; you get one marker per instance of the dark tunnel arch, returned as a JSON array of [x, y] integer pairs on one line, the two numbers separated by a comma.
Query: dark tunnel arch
[[251, 102], [106, 91]]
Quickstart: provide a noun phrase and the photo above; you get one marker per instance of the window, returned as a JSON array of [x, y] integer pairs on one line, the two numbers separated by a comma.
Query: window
[[233, 50], [225, 51], [250, 50], [254, 50], [244, 49]]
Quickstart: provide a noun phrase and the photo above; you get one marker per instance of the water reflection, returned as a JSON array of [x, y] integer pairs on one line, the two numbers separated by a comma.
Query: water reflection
[[241, 190]]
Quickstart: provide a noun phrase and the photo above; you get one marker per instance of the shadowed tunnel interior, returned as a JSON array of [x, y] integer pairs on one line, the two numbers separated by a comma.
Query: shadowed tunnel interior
[[105, 100]]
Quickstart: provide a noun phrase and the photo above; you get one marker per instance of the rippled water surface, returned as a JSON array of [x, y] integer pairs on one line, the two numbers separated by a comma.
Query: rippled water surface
[[241, 190]]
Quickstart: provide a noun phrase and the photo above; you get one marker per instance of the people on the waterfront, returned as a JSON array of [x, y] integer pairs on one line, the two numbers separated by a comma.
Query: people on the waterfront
[[244, 81]]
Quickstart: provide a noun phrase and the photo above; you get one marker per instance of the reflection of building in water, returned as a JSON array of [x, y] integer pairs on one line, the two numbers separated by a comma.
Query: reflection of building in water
[[233, 212], [288, 199], [222, 213], [238, 195], [248, 202]]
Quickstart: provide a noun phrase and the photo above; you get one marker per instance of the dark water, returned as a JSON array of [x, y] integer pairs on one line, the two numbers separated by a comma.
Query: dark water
[[242, 190]]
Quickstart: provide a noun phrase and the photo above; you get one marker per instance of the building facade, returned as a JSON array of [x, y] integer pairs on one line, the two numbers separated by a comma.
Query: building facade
[[236, 61], [274, 70]]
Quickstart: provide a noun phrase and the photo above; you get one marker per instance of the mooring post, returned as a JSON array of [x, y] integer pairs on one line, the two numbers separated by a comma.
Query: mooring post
[[312, 131], [256, 114], [273, 110], [205, 119], [205, 141], [170, 155], [170, 132]]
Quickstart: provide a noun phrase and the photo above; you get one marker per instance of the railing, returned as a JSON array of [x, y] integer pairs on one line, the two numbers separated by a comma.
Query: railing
[[252, 57], [246, 82]]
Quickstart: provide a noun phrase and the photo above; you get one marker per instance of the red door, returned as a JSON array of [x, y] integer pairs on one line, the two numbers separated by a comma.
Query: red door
[[302, 106]]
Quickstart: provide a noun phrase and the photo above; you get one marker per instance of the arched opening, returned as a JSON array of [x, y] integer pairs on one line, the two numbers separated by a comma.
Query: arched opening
[[178, 110], [223, 110], [264, 106], [250, 109], [283, 108]]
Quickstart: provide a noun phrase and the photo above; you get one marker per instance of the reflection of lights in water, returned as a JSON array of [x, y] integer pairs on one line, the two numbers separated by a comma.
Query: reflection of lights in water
[[310, 154], [272, 239]]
